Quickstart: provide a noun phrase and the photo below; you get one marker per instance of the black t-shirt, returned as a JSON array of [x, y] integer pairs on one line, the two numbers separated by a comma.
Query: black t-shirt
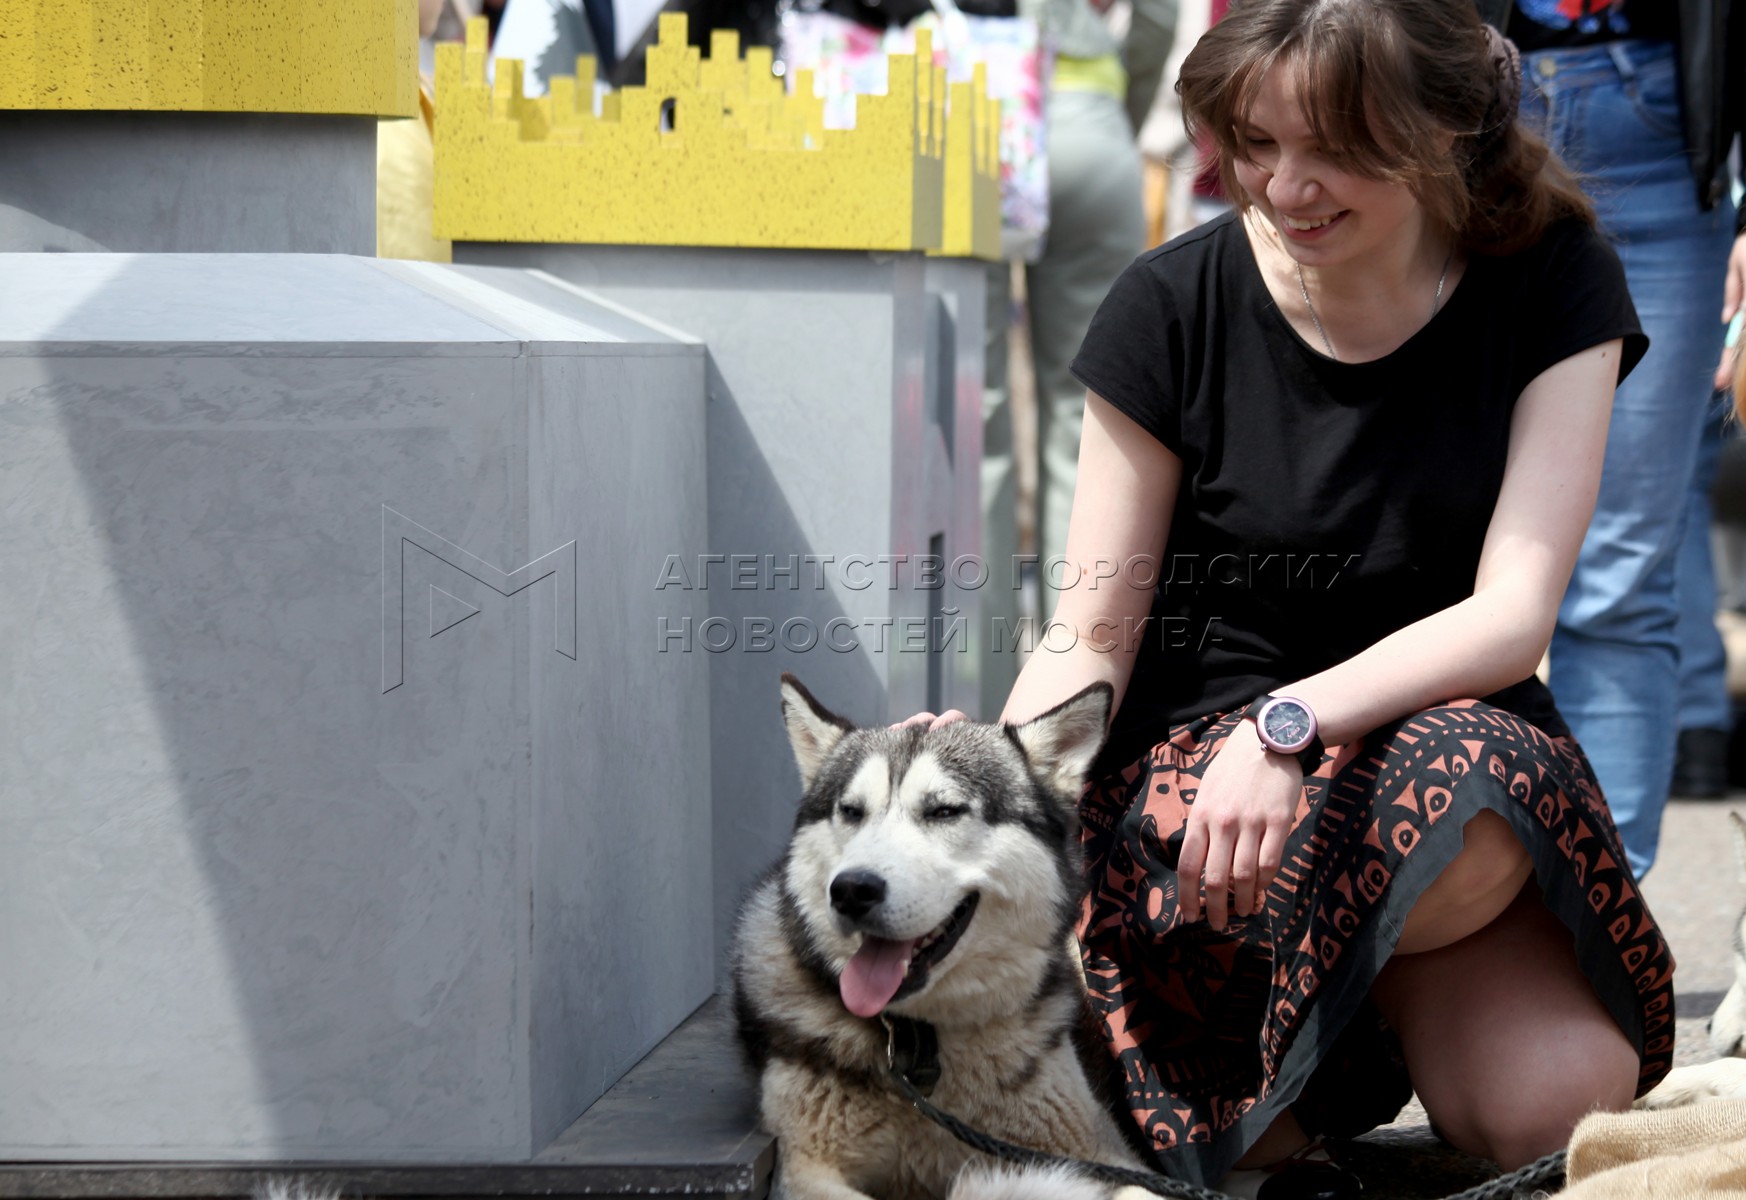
[[1323, 505], [1558, 24]]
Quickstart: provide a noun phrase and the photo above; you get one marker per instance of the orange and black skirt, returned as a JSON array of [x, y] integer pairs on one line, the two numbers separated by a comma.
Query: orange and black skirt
[[1217, 1033]]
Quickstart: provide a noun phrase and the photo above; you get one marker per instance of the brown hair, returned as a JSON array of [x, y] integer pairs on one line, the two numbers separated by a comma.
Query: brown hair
[[1407, 91]]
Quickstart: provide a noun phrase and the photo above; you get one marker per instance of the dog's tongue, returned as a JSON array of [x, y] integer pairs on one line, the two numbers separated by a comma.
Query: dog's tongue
[[875, 973]]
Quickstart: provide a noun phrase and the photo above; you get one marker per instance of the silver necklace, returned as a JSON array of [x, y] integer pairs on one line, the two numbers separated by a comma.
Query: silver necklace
[[1303, 289]]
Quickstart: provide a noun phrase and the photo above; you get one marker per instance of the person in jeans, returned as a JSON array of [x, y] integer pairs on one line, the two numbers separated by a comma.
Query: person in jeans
[[1634, 95], [1706, 711]]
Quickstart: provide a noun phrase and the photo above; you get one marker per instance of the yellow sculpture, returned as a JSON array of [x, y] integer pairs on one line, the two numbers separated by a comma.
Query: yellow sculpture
[[356, 57], [712, 153], [971, 228]]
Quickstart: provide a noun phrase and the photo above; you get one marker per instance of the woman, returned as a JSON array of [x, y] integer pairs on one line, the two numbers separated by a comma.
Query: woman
[[1341, 446]]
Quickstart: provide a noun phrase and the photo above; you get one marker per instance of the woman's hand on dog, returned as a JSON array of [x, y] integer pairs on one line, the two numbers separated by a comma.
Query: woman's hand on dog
[[1237, 827], [929, 721]]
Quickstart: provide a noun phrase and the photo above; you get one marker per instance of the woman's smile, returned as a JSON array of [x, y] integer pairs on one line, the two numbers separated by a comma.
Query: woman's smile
[[1309, 229]]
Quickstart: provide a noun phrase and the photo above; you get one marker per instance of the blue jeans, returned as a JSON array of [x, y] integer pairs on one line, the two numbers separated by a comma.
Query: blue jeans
[[1612, 112], [1703, 660]]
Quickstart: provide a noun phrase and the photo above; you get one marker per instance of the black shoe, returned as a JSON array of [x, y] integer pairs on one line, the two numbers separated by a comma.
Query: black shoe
[[1700, 764], [1310, 1174], [1312, 1181]]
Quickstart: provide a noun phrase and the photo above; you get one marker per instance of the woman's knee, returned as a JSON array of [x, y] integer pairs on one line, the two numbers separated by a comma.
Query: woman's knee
[[1507, 1044], [1518, 1102], [1535, 1117]]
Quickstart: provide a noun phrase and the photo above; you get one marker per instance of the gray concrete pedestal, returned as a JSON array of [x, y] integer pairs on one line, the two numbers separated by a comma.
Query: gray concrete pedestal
[[347, 813], [187, 182]]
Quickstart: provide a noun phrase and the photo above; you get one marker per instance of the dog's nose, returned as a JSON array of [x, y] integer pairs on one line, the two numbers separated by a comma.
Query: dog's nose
[[856, 893]]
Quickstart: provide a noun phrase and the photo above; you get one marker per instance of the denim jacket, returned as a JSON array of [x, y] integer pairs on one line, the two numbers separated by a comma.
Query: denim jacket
[[1710, 65]]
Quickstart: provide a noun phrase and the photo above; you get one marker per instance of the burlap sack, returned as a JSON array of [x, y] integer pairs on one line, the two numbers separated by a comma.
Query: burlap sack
[[1672, 1154]]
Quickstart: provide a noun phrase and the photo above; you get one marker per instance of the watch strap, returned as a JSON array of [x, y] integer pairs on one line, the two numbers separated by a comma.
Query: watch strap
[[1253, 712], [1310, 757]]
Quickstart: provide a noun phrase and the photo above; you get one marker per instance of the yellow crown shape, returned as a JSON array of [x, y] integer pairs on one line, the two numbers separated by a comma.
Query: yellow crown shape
[[971, 228], [356, 57], [710, 152]]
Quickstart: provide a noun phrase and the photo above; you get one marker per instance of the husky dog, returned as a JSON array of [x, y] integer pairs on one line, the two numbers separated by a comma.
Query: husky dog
[[933, 876], [1728, 1026], [1726, 1076]]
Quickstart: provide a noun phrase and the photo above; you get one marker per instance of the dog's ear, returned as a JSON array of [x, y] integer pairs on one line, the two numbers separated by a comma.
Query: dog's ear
[[1062, 743], [813, 729], [1739, 825]]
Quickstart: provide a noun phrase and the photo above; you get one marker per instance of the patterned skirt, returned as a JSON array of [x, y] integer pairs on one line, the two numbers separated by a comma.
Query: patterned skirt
[[1217, 1033]]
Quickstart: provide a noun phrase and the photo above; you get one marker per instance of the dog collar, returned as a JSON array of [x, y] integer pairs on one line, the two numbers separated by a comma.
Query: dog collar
[[912, 1051]]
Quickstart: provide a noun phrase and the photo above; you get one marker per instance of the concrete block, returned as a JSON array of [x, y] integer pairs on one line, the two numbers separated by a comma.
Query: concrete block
[[844, 440], [346, 814], [187, 182]]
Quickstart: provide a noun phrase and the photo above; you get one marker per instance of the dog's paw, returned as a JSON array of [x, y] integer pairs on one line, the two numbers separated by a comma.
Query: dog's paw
[[285, 1187], [1725, 1078], [1728, 1023], [1048, 1183]]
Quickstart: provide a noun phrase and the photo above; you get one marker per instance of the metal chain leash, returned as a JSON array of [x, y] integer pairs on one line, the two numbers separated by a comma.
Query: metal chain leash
[[1539, 1174], [1025, 1156]]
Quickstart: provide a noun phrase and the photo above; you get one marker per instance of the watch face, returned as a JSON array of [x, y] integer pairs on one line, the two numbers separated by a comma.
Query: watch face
[[1288, 724]]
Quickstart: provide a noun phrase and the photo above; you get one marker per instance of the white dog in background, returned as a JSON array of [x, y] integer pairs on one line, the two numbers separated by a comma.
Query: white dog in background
[[1726, 1076]]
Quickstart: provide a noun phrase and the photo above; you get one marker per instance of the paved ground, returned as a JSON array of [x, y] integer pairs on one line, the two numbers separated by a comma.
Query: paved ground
[[1696, 893]]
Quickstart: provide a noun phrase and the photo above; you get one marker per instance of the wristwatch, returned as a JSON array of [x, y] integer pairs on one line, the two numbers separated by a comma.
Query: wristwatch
[[1286, 725]]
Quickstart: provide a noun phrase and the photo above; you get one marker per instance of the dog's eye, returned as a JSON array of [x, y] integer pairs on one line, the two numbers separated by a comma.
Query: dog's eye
[[945, 812], [852, 814]]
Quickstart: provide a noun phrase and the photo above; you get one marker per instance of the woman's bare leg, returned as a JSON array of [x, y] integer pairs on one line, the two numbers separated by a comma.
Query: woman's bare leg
[[1506, 1043], [1470, 893], [1505, 1040], [1281, 1139]]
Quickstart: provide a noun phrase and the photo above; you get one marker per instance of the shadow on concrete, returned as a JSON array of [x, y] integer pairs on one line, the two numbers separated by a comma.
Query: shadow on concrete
[[755, 785]]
